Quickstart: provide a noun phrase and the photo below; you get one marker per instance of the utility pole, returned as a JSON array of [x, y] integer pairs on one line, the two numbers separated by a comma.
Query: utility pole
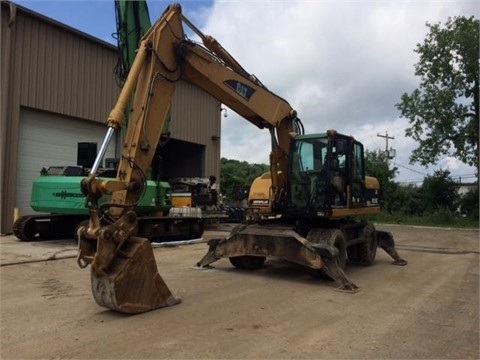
[[390, 154]]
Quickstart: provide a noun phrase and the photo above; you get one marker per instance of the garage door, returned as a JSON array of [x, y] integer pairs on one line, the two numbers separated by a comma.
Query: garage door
[[47, 139]]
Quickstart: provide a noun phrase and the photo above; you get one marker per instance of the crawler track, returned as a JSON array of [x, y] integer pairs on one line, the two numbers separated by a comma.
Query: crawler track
[[158, 229]]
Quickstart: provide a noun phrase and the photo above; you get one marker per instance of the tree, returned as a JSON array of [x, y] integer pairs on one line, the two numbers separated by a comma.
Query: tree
[[440, 191], [237, 175], [407, 199], [376, 165], [444, 112]]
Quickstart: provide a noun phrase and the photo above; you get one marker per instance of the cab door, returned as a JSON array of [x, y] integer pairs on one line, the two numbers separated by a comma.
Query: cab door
[[358, 176]]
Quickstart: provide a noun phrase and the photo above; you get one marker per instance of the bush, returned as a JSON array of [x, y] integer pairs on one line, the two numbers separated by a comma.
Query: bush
[[469, 204], [440, 191]]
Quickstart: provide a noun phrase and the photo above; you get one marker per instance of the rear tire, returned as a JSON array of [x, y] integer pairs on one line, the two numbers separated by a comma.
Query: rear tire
[[367, 250], [247, 262]]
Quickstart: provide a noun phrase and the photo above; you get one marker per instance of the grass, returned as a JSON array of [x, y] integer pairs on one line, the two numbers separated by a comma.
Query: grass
[[439, 219]]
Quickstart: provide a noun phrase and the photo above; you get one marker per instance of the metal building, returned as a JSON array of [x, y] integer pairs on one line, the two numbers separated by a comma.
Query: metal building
[[57, 88]]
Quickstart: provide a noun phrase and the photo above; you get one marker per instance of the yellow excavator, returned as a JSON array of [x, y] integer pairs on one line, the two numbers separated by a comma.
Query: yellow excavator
[[301, 211]]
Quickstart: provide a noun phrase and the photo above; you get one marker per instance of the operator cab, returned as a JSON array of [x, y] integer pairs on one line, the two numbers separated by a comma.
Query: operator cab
[[327, 172]]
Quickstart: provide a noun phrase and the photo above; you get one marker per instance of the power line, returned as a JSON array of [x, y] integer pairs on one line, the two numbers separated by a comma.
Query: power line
[[410, 182], [453, 177], [466, 176], [418, 172]]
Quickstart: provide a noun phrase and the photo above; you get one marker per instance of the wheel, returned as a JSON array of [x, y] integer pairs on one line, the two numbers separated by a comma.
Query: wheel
[[248, 262], [367, 250]]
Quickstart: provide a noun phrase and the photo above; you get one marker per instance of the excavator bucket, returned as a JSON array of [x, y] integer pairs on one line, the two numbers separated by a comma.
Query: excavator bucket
[[132, 284]]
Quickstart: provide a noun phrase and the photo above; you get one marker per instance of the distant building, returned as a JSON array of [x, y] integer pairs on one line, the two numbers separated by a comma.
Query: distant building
[[463, 188]]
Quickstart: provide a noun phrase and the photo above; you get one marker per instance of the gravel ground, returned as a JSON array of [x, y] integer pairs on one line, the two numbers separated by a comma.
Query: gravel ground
[[425, 310]]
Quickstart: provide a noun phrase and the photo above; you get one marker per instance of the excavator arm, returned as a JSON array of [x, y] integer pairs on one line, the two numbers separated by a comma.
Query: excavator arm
[[212, 69], [123, 269]]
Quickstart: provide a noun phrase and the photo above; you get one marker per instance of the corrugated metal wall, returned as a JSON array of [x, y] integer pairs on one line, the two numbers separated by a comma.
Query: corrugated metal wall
[[46, 65], [201, 114], [68, 74]]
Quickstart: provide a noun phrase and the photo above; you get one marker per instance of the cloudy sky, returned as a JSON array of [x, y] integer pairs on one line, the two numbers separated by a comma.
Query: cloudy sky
[[340, 64]]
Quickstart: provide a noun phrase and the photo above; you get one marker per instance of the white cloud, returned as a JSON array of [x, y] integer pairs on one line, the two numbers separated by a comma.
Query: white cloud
[[341, 65]]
